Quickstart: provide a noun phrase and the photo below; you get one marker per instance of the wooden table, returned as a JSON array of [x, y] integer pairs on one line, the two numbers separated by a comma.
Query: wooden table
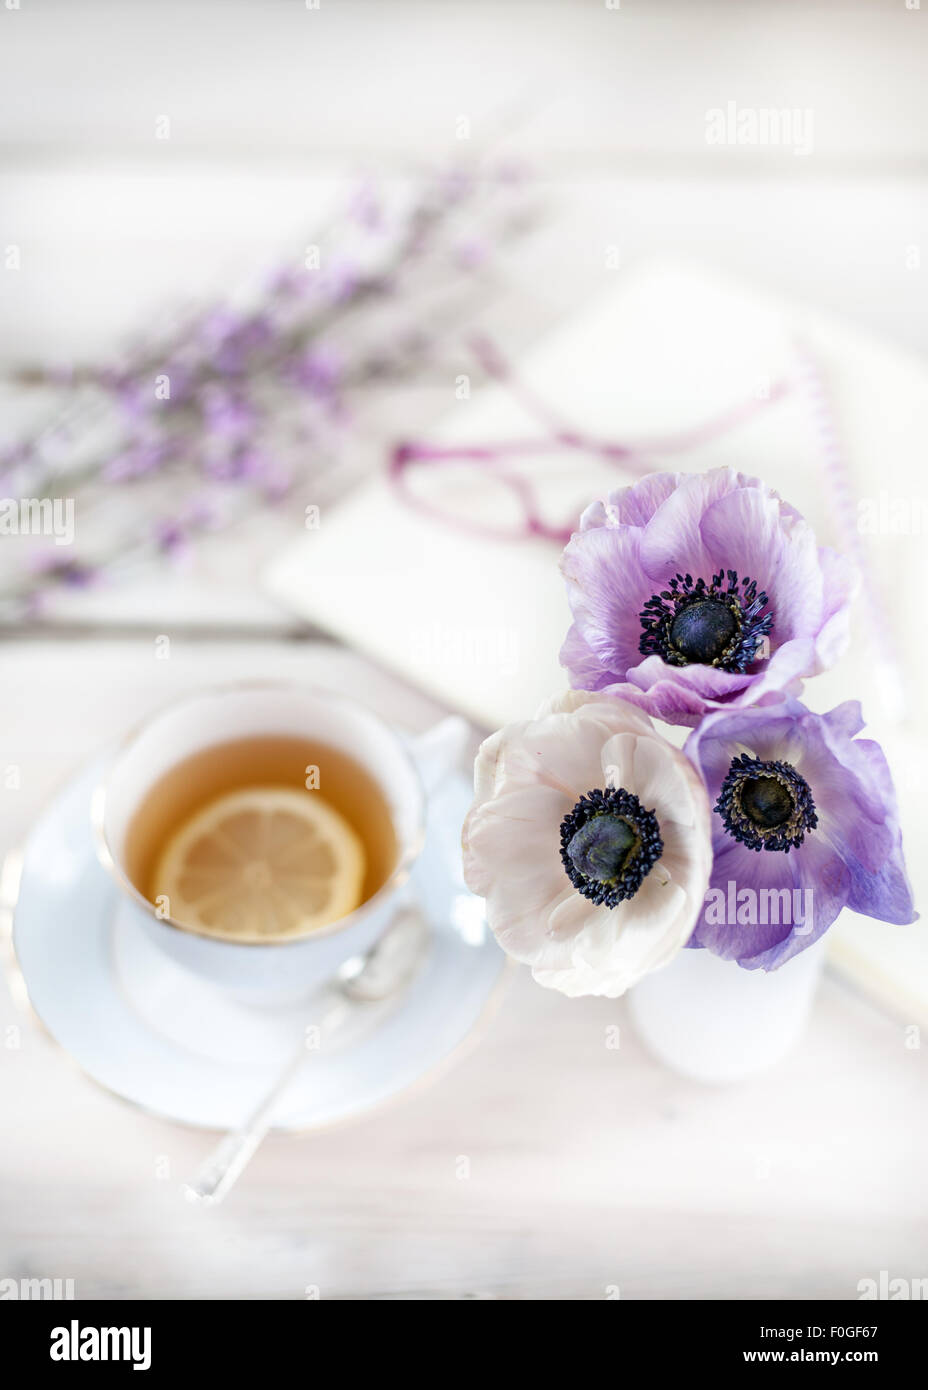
[[591, 1169]]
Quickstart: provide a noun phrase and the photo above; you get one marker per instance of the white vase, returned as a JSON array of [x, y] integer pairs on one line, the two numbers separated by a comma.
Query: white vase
[[710, 1020]]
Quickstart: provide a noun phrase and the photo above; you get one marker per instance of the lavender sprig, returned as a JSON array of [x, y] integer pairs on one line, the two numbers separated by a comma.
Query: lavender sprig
[[239, 406]]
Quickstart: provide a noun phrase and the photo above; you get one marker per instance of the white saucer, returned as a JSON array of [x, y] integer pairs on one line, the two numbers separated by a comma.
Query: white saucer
[[168, 1042]]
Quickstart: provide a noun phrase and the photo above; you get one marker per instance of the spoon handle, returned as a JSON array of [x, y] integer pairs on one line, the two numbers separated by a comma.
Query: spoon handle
[[225, 1164], [385, 969]]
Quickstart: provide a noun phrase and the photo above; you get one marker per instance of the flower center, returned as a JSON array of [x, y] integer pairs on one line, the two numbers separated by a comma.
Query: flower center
[[601, 847], [766, 801], [703, 631], [609, 844], [695, 623], [766, 805]]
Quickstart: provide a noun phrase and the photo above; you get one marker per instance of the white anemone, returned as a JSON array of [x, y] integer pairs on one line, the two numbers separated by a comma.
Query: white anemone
[[528, 777]]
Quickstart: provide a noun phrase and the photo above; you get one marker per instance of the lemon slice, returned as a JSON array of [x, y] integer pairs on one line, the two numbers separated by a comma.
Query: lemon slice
[[260, 863]]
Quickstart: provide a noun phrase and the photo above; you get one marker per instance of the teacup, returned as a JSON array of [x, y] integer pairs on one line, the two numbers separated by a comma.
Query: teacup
[[405, 772]]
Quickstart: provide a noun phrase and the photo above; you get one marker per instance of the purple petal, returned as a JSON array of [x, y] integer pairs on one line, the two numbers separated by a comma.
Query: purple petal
[[747, 528], [632, 506], [673, 539], [606, 589], [736, 869]]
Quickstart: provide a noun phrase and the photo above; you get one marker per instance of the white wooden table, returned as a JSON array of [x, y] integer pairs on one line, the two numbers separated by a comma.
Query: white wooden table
[[590, 1168]]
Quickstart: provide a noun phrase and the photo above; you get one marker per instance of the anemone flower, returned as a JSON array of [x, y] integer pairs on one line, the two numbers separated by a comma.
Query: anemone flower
[[589, 839], [698, 592], [804, 824]]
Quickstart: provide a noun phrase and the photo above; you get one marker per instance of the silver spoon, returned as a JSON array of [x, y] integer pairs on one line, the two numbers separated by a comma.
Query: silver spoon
[[363, 980]]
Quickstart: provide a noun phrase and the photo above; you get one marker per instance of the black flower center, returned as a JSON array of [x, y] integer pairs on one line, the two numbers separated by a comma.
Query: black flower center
[[766, 805], [695, 623], [609, 844], [703, 631], [600, 848], [766, 801]]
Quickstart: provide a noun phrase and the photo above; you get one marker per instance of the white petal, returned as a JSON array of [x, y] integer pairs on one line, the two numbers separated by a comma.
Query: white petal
[[576, 916], [521, 924], [618, 760], [487, 765], [563, 751], [614, 713], [514, 838], [661, 782]]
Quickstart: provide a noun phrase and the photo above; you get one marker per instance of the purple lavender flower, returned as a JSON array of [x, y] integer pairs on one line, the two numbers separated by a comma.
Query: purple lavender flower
[[265, 471], [341, 281], [228, 417], [698, 592], [135, 397], [217, 326], [141, 457], [318, 370], [71, 574], [289, 282], [172, 535], [804, 823]]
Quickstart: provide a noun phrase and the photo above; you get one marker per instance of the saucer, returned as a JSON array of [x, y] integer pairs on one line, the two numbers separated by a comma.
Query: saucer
[[178, 1047]]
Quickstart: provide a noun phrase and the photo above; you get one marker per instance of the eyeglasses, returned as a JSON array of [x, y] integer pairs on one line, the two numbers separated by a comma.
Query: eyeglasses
[[513, 466]]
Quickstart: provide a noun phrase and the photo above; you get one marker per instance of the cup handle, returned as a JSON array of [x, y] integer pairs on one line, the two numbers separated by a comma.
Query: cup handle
[[438, 751]]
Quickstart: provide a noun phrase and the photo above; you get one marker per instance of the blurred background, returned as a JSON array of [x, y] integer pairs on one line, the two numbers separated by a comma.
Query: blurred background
[[245, 251], [158, 161]]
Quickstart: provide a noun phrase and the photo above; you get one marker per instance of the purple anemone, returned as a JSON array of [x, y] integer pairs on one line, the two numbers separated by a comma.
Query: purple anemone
[[699, 592], [804, 823]]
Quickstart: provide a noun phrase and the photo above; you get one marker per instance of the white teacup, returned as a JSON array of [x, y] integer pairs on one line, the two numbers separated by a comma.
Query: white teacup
[[404, 770]]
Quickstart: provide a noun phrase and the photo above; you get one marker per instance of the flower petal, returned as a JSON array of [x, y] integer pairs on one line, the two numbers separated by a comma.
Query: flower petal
[[606, 589], [634, 505]]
